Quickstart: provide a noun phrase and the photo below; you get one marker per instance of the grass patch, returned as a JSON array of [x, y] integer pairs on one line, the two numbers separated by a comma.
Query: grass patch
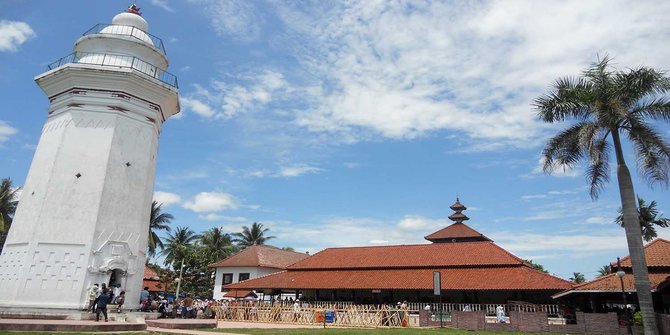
[[350, 331]]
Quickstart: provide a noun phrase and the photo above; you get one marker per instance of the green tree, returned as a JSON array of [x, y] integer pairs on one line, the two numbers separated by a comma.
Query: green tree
[[649, 217], [177, 245], [604, 270], [8, 203], [577, 278], [536, 266], [218, 243], [158, 221], [288, 249], [604, 105], [254, 236], [198, 276]]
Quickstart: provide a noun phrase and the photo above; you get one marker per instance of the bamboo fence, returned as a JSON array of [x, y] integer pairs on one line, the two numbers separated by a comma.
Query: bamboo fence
[[368, 316]]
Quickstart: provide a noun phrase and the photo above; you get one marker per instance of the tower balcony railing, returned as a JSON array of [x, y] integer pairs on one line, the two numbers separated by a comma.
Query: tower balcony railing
[[139, 34], [117, 61]]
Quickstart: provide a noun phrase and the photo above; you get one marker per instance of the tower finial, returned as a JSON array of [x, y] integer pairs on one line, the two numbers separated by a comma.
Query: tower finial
[[134, 9], [458, 208]]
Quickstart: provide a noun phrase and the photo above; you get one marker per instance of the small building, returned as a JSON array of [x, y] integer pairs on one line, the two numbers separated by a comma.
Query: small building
[[152, 281], [473, 269], [252, 262], [605, 293]]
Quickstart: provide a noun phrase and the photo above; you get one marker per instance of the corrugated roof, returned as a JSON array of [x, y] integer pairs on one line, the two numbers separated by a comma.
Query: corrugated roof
[[261, 256], [456, 231], [657, 254], [503, 278], [465, 254]]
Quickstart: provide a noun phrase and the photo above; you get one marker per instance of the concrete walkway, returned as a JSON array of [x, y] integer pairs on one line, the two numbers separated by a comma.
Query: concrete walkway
[[231, 325]]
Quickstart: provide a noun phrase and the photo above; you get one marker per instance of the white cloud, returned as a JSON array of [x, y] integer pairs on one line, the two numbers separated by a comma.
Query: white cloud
[[599, 220], [533, 196], [13, 34], [556, 170], [6, 131], [162, 4], [420, 223], [297, 170], [469, 68], [222, 218], [236, 19], [166, 198], [579, 243], [197, 106], [226, 100], [205, 202]]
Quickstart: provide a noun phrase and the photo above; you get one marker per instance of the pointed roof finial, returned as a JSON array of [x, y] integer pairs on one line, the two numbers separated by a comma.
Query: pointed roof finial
[[134, 9], [458, 207]]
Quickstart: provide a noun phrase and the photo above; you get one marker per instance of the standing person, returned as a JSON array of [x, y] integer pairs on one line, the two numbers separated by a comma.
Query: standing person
[[500, 313], [92, 294], [187, 307], [104, 299], [120, 300], [117, 292], [144, 298], [296, 310]]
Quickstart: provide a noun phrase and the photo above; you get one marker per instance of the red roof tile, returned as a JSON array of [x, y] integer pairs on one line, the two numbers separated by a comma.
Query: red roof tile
[[465, 254], [612, 283], [456, 231], [153, 285], [657, 254], [149, 273], [261, 256], [502, 278]]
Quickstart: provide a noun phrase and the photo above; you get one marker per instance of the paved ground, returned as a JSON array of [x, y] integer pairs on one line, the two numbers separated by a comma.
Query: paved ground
[[235, 324]]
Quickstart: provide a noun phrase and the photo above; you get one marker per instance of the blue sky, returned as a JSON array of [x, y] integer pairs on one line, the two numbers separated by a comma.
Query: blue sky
[[357, 123]]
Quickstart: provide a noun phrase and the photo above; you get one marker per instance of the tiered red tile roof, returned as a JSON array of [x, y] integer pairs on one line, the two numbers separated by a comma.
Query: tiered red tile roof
[[456, 231], [503, 278], [657, 254], [464, 265], [261, 256], [465, 254]]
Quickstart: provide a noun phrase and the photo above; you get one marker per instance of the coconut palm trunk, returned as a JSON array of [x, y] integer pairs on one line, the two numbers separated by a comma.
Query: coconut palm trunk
[[631, 223]]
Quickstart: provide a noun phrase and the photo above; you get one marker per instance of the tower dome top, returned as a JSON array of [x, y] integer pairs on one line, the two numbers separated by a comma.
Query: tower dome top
[[132, 17]]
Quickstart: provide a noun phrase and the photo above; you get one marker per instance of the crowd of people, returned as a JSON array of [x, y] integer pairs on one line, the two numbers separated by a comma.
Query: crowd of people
[[99, 296]]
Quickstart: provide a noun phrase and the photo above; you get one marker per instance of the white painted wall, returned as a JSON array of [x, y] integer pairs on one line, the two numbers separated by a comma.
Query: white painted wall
[[254, 272]]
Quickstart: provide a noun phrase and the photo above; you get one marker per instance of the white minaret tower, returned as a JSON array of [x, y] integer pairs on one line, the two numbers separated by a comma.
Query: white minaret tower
[[83, 216]]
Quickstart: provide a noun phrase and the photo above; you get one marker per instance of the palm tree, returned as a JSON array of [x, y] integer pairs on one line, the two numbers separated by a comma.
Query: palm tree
[[177, 244], [218, 243], [253, 236], [158, 221], [8, 202], [605, 104], [536, 266], [604, 270], [649, 217], [577, 278]]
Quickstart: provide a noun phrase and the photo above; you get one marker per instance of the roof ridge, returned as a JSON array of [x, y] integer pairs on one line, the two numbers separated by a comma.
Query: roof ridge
[[597, 279]]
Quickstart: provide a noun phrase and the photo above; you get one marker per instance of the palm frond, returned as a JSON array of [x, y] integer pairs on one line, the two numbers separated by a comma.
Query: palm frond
[[565, 149], [598, 171], [635, 84], [652, 152], [569, 99], [656, 108]]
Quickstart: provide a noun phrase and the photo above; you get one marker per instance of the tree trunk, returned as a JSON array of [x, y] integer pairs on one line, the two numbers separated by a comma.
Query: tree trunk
[[631, 221]]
